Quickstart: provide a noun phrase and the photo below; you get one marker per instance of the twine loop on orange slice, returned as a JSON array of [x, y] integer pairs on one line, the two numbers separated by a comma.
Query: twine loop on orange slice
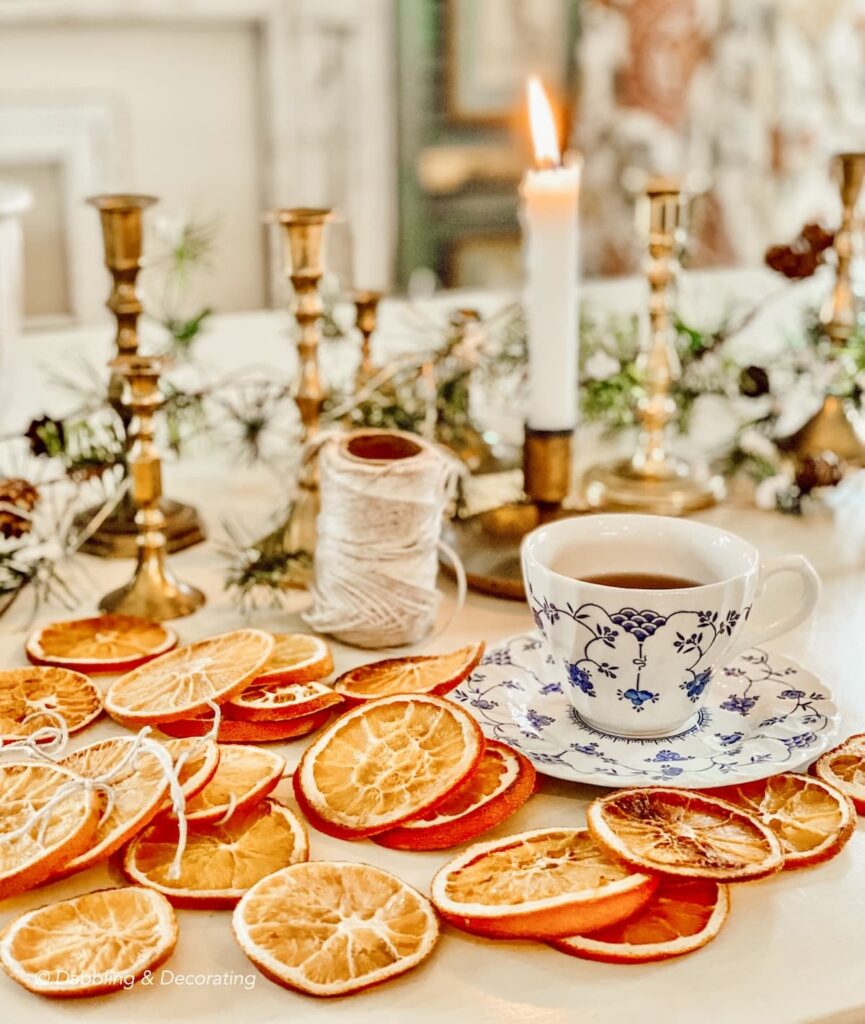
[[43, 742]]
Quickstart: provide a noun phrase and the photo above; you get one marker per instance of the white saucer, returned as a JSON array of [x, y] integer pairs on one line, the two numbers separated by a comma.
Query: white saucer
[[762, 714]]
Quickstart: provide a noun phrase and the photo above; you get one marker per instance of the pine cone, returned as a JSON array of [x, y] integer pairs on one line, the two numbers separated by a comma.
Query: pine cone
[[824, 470], [20, 494], [42, 432]]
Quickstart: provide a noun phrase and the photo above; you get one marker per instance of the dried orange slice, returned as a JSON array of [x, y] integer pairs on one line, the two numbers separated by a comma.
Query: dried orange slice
[[232, 731], [182, 682], [436, 674], [540, 884], [812, 820], [679, 832], [105, 643], [297, 658], [683, 915], [385, 762], [330, 928], [91, 944], [138, 790], [844, 768], [496, 789], [31, 698], [220, 862], [197, 759], [267, 702], [243, 776], [61, 826]]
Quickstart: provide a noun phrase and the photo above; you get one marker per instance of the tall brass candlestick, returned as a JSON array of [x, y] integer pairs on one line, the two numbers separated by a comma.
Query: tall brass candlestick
[[366, 319], [121, 217], [829, 430], [154, 592], [303, 243], [838, 315], [653, 480]]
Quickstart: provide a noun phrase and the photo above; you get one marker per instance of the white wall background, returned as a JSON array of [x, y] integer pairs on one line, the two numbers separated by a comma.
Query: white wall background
[[221, 108]]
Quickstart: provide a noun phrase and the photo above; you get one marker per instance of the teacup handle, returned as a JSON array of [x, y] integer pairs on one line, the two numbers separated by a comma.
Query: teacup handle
[[799, 566]]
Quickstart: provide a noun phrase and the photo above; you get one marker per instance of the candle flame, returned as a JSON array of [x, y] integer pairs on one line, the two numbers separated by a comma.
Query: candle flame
[[544, 135]]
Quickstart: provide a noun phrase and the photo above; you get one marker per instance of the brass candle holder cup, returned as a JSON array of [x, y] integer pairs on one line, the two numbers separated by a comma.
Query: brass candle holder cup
[[153, 592], [654, 480], [489, 543], [121, 217], [830, 431], [303, 243]]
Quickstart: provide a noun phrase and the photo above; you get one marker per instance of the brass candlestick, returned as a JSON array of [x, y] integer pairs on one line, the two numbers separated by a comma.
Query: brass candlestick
[[653, 480], [121, 217], [366, 320], [489, 543], [153, 592], [829, 430], [303, 237]]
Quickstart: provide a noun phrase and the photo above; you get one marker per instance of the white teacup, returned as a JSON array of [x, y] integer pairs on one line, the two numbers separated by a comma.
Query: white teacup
[[636, 662]]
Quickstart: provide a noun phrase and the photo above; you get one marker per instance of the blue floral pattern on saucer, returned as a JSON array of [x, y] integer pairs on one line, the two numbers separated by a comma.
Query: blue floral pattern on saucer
[[763, 714]]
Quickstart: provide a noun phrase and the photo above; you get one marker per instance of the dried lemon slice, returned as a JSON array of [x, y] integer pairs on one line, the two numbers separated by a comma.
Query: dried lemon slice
[[32, 698], [60, 826], [331, 928], [138, 787], [183, 682], [682, 916], [812, 820], [91, 944], [683, 833], [105, 643], [540, 884], [385, 762], [219, 862]]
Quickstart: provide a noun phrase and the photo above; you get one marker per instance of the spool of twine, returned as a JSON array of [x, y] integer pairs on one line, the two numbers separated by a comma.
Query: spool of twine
[[383, 495]]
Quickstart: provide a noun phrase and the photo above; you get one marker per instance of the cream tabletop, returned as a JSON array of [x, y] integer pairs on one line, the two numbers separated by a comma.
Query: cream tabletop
[[789, 953]]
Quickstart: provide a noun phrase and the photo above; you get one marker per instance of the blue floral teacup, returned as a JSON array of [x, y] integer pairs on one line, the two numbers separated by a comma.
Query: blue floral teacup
[[637, 661]]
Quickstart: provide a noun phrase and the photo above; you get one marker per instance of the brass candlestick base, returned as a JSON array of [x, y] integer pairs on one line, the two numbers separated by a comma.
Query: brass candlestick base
[[122, 220], [624, 486], [489, 543], [153, 592], [653, 480]]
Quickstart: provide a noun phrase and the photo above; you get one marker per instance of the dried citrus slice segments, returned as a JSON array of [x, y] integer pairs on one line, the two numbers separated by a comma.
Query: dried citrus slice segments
[[198, 764], [329, 928], [267, 702], [31, 698], [812, 820], [296, 658], [844, 768], [219, 862], [243, 776], [181, 683], [105, 643], [232, 731], [138, 787], [539, 884], [682, 916], [497, 788], [435, 674], [61, 826], [385, 762], [679, 832], [90, 944]]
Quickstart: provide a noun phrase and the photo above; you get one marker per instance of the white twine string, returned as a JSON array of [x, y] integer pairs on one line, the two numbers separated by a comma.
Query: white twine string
[[43, 743], [56, 739], [376, 556]]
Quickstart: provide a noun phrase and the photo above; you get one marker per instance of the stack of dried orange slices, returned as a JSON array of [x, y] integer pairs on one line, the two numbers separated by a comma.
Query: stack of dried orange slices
[[413, 771], [648, 879], [267, 688]]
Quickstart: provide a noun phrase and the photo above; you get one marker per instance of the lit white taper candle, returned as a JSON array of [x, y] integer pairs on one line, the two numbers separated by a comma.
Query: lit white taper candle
[[550, 195]]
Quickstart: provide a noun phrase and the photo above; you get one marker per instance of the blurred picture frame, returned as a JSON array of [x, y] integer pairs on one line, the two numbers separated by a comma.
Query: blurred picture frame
[[491, 46]]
